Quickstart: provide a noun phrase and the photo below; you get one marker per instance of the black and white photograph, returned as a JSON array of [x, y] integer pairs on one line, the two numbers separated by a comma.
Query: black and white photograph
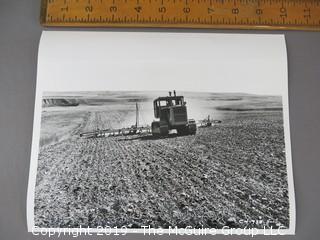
[[174, 130]]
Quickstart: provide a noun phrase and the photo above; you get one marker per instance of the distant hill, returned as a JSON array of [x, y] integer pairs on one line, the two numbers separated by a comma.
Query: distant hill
[[50, 102]]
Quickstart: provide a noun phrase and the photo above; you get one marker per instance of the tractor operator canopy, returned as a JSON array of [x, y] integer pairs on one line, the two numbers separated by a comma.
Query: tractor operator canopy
[[169, 101]]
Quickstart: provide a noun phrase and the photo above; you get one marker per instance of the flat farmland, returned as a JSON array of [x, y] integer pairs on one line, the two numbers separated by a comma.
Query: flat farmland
[[233, 173]]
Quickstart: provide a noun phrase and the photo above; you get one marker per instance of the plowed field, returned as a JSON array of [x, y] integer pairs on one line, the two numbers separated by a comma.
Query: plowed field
[[227, 174]]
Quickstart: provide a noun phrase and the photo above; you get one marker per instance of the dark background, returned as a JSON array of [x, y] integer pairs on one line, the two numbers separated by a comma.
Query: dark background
[[19, 37]]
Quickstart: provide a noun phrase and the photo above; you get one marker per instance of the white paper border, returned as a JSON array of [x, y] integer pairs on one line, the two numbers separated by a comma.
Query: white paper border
[[35, 152]]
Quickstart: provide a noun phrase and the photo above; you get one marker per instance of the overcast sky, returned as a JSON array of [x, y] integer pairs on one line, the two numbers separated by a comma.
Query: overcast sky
[[104, 61]]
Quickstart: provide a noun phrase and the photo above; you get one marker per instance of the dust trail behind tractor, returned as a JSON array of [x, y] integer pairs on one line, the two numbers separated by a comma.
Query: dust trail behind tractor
[[134, 129]]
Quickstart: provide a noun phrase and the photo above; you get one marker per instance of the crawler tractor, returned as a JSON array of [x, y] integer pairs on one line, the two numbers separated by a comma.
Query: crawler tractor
[[172, 114]]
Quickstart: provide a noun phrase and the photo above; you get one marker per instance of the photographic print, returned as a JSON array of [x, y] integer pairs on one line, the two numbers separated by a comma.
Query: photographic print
[[144, 131]]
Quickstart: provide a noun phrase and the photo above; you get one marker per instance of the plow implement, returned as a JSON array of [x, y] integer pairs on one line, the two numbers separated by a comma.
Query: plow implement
[[116, 132], [126, 131]]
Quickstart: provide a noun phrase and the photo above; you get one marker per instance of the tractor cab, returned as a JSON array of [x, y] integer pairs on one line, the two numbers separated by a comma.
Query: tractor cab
[[162, 103], [171, 110]]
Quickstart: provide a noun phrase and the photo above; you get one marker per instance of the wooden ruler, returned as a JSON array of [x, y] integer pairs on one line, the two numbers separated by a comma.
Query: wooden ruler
[[236, 14]]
